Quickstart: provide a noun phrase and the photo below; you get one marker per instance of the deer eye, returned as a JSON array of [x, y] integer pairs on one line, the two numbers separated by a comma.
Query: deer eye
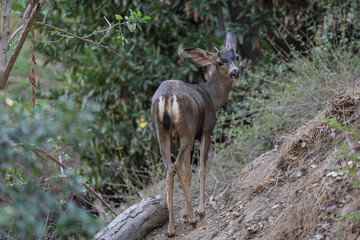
[[237, 58], [220, 63]]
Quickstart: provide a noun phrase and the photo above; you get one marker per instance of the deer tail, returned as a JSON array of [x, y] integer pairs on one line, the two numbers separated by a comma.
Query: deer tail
[[166, 122]]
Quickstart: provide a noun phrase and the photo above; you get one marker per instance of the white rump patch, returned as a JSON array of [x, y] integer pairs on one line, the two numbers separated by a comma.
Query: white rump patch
[[161, 107], [171, 106], [175, 111]]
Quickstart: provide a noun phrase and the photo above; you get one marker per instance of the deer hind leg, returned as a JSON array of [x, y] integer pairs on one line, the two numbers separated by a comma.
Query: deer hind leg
[[164, 143], [188, 176], [204, 150], [180, 167]]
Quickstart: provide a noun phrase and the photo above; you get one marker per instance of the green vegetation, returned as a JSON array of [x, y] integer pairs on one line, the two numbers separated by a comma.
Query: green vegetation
[[97, 118], [32, 201]]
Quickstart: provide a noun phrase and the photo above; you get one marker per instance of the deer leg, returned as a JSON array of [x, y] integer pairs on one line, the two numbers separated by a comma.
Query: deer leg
[[164, 142], [184, 154], [188, 176], [169, 191], [204, 150]]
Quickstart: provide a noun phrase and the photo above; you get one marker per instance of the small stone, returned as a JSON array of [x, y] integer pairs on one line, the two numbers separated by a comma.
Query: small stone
[[319, 237], [338, 178], [332, 174]]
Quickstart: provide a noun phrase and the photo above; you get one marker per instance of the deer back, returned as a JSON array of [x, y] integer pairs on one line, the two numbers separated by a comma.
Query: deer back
[[180, 108]]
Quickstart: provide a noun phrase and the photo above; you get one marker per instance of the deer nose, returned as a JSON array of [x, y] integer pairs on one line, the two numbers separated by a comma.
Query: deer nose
[[235, 74]]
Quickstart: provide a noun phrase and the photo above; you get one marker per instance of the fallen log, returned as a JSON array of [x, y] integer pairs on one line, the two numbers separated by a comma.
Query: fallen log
[[137, 221]]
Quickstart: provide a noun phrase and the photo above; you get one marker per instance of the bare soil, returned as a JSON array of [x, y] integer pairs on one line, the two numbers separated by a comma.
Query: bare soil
[[298, 190]]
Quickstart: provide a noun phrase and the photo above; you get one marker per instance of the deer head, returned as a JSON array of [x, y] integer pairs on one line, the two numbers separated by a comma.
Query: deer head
[[225, 61]]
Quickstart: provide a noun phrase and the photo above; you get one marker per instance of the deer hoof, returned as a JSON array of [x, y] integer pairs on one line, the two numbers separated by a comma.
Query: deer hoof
[[171, 231], [194, 225]]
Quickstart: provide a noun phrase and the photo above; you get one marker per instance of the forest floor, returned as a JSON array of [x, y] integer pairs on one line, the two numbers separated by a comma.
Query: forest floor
[[298, 190]]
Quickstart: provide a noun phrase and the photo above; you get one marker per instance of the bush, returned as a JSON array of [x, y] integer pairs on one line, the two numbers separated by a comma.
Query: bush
[[35, 198], [289, 89]]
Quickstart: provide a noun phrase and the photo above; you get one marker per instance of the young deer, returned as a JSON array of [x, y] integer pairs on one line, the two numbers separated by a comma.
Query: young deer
[[188, 111]]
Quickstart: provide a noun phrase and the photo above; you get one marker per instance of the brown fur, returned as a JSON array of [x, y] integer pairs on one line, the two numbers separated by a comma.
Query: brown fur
[[188, 111]]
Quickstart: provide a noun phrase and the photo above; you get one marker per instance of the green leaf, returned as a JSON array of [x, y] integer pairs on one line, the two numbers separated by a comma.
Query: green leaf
[[118, 17], [344, 128], [84, 59], [131, 27], [353, 129], [139, 26], [352, 173], [147, 18]]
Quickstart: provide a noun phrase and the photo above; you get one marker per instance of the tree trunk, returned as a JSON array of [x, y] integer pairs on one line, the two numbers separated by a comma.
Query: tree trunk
[[137, 221]]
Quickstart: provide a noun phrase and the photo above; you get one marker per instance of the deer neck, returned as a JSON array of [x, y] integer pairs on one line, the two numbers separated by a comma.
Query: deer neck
[[218, 87]]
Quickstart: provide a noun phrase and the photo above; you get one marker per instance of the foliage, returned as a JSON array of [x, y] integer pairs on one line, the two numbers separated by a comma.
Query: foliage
[[350, 158], [345, 150], [287, 89], [123, 145], [32, 192], [295, 54]]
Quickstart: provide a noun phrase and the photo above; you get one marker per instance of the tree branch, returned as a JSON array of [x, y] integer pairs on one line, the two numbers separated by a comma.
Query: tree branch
[[82, 39], [5, 32], [28, 10], [27, 27], [47, 13], [29, 18], [15, 33], [42, 153]]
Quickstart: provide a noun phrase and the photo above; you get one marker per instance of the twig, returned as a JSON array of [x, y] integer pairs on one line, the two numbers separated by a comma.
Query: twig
[[50, 41], [15, 33], [46, 154], [44, 19], [107, 32], [42, 153], [82, 39]]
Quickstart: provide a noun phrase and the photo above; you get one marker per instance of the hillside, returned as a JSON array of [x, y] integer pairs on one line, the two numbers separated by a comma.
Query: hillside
[[301, 189]]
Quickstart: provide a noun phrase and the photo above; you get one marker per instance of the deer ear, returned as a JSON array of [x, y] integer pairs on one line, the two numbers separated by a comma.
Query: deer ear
[[230, 40], [198, 57]]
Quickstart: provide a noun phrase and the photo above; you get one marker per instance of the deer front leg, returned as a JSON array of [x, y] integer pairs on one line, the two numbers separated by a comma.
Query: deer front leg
[[204, 150]]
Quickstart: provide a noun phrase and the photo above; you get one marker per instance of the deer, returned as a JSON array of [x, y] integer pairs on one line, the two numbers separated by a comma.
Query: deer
[[187, 112]]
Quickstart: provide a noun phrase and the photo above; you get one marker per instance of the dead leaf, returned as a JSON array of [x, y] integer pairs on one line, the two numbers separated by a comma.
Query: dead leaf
[[32, 78], [33, 59]]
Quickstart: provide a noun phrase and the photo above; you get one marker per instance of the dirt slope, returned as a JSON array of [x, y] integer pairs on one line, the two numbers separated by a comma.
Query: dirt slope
[[289, 192]]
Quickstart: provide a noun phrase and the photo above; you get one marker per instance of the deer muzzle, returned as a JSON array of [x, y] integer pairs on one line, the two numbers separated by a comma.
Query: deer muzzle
[[235, 74]]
